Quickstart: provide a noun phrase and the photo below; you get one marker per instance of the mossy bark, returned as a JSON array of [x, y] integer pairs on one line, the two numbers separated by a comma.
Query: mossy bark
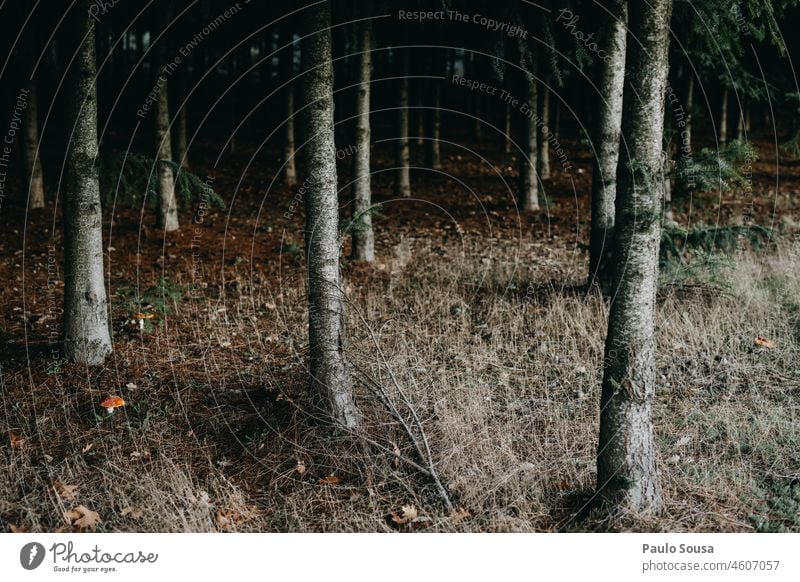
[[33, 163], [330, 374], [86, 334], [606, 144], [403, 184], [363, 236], [627, 475]]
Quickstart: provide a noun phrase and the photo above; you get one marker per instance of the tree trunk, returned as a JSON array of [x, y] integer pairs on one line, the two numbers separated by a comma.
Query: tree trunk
[[723, 119], [86, 334], [740, 130], [627, 477], [180, 133], [507, 130], [287, 72], [420, 119], [363, 237], [403, 185], [606, 145], [33, 163], [544, 142], [167, 202], [686, 141], [529, 186], [330, 375], [433, 156]]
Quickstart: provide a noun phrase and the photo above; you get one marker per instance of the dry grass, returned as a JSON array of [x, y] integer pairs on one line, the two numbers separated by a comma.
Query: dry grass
[[501, 366]]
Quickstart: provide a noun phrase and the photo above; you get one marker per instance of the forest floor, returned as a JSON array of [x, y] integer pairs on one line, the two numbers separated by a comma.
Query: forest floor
[[474, 328]]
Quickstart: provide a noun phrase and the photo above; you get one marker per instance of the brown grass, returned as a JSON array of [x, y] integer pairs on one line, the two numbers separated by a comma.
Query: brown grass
[[501, 365]]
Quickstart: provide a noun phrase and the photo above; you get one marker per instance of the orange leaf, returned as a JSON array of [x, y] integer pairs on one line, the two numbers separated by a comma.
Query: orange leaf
[[460, 514], [764, 342], [406, 514], [83, 518], [17, 442], [330, 480], [66, 492]]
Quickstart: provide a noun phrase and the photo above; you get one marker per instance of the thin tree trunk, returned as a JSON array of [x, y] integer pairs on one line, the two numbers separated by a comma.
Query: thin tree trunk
[[544, 142], [433, 150], [86, 334], [330, 375], [363, 237], [740, 130], [557, 119], [167, 202], [606, 145], [403, 185], [180, 133], [507, 130], [687, 137], [723, 119], [627, 476], [287, 72], [420, 119], [33, 163], [529, 185]]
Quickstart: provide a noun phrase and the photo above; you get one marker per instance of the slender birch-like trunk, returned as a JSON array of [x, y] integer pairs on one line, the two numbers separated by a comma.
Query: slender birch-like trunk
[[363, 237], [86, 334], [180, 137], [330, 374], [723, 119], [606, 144], [403, 184], [287, 72], [33, 163], [528, 182], [627, 474], [544, 142], [433, 155]]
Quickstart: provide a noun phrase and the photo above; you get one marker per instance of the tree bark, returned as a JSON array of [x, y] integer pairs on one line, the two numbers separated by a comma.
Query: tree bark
[[330, 374], [287, 72], [180, 133], [433, 156], [606, 145], [33, 163], [627, 476], [507, 130], [363, 237], [167, 202], [529, 185], [403, 184], [86, 334], [544, 143], [687, 139], [723, 119]]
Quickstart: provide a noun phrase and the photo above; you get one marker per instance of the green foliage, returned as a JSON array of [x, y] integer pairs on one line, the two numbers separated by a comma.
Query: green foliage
[[157, 299], [130, 178], [710, 169], [792, 147], [678, 242], [356, 224], [782, 512], [700, 256]]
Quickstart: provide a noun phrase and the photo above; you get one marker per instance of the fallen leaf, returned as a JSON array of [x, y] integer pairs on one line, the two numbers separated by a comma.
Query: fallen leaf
[[16, 529], [17, 442], [64, 491], [223, 521], [764, 342], [83, 518], [301, 467], [406, 514], [460, 514], [134, 512], [330, 480], [396, 451]]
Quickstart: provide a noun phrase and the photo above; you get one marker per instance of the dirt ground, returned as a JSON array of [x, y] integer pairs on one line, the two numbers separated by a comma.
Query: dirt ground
[[474, 326]]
